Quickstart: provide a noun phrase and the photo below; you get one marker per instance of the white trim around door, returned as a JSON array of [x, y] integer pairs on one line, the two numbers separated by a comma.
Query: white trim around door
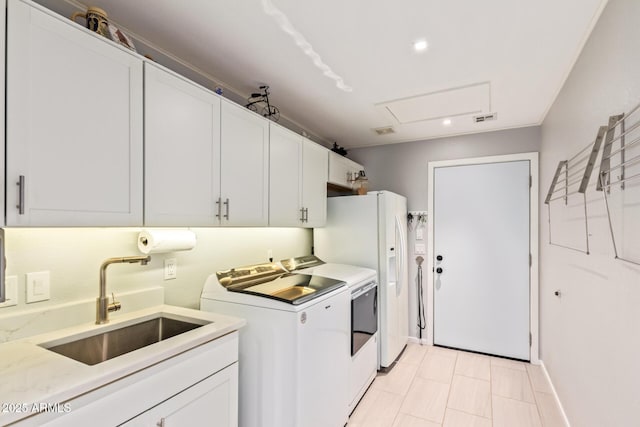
[[533, 272]]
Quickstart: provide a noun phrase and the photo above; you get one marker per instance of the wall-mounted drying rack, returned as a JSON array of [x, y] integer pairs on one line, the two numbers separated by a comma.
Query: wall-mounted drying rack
[[571, 178], [619, 181]]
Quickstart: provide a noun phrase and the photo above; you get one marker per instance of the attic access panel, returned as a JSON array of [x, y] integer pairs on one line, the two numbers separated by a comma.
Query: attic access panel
[[459, 101]]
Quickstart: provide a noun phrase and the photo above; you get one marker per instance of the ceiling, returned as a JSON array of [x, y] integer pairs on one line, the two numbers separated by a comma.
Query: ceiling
[[341, 69]]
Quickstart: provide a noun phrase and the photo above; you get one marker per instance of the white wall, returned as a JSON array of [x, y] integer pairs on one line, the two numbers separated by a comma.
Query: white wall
[[590, 335], [73, 257], [402, 168]]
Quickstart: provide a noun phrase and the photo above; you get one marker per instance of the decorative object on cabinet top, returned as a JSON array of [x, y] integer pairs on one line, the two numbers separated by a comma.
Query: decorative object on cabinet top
[[97, 20], [338, 149], [121, 38], [260, 101]]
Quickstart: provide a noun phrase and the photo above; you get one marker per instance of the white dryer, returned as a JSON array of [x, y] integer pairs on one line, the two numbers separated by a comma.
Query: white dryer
[[363, 317]]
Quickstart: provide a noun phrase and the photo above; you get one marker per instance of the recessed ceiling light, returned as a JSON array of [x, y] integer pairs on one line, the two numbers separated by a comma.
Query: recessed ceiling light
[[420, 45], [446, 122]]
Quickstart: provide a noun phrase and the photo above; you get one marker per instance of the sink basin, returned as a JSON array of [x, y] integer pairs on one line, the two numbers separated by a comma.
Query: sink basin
[[98, 348]]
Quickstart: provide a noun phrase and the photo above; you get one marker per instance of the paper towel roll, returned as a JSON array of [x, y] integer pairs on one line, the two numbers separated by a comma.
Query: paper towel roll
[[158, 241]]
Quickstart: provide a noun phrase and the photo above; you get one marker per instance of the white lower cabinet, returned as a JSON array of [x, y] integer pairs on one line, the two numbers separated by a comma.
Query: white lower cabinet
[[211, 402], [198, 387]]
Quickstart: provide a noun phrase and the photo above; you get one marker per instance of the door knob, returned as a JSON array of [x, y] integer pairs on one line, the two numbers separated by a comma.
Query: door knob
[[439, 258], [439, 270]]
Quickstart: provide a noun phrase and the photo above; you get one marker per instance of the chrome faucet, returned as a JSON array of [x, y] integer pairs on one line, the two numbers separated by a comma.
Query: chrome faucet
[[103, 307]]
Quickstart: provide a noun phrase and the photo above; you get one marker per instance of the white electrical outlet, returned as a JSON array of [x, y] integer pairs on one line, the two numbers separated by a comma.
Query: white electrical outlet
[[420, 249], [170, 268], [38, 286], [11, 291]]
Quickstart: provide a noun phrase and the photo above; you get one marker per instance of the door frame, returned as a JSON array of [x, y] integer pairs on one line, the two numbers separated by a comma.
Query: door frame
[[533, 238]]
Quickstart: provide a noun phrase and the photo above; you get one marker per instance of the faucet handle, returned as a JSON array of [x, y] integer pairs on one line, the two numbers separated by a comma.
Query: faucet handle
[[115, 305]]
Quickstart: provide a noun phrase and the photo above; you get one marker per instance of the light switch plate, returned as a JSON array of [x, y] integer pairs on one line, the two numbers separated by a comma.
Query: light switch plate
[[11, 291], [38, 286], [420, 249], [419, 233]]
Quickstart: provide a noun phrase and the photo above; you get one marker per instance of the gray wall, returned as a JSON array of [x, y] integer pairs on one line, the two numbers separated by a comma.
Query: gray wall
[[402, 168], [590, 336]]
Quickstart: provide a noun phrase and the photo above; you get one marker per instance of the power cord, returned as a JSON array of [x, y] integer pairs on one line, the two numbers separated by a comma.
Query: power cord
[[422, 322]]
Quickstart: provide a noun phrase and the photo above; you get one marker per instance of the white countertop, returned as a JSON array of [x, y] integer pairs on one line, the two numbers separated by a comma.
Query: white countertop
[[30, 374]]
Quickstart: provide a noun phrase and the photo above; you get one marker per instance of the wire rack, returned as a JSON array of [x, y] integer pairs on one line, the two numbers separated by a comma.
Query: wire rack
[[619, 181], [572, 178]]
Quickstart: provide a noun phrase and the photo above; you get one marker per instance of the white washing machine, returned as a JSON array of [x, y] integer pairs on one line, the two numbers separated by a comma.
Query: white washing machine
[[363, 317], [293, 355]]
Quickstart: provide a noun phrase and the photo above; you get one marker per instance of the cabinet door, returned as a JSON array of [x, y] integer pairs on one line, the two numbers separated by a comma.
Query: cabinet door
[[285, 171], [342, 170], [314, 183], [3, 32], [244, 166], [211, 402], [74, 124], [182, 151]]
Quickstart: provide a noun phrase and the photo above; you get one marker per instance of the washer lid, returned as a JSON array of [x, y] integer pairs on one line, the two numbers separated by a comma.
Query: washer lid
[[292, 288]]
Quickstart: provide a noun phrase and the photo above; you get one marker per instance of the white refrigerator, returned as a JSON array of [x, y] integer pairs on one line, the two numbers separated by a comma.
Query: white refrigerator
[[371, 231]]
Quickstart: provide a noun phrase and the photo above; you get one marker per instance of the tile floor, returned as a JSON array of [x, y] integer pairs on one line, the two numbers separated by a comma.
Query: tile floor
[[432, 387]]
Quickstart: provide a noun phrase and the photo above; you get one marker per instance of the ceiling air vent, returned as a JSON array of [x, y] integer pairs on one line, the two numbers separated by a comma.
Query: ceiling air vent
[[485, 117], [384, 131]]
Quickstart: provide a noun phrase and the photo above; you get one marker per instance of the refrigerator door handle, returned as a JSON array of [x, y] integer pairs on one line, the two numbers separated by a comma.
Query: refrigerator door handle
[[400, 257]]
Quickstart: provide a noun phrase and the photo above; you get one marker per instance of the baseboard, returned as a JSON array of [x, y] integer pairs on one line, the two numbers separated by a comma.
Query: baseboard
[[555, 394], [415, 340]]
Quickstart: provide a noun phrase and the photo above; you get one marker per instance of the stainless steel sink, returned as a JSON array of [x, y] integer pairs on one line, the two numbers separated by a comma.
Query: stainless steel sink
[[98, 348]]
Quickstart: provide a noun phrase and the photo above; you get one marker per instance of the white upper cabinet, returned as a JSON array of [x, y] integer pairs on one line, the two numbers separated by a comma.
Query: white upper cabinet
[[244, 194], [182, 151], [298, 180], [315, 159], [74, 125], [285, 185], [342, 171]]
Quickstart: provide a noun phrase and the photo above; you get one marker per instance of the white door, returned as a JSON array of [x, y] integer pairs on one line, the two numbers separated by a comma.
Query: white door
[[182, 151], [74, 125], [244, 176], [481, 258]]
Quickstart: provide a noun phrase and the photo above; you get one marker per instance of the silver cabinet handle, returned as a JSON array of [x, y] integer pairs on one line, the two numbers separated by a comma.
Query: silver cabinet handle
[[219, 204], [301, 214], [20, 204], [306, 214], [160, 423], [226, 203]]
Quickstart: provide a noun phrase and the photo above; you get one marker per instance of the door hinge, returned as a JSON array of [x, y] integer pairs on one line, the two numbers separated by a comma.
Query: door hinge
[[530, 181], [530, 339], [530, 260]]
